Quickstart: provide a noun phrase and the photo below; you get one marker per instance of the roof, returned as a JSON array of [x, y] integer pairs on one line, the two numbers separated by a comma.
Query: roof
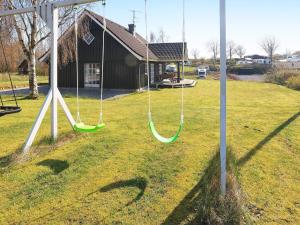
[[168, 51], [24, 63], [256, 57], [135, 44]]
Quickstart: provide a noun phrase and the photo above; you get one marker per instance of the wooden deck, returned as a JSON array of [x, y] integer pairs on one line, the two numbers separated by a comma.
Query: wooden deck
[[168, 84]]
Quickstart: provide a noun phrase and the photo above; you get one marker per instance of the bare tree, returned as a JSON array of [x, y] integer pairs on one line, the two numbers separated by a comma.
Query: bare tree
[[162, 36], [152, 37], [11, 49], [31, 31], [195, 53], [231, 49], [214, 48], [270, 45], [240, 51]]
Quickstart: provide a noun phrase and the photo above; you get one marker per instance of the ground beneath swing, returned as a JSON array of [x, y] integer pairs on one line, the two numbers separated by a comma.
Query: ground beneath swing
[[121, 175]]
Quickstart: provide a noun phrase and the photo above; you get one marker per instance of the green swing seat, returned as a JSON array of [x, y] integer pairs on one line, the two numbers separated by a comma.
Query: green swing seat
[[81, 127], [161, 138]]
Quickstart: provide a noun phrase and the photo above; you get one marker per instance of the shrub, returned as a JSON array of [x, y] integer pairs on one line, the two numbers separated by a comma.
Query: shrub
[[294, 82], [281, 77], [42, 69], [210, 206], [249, 69]]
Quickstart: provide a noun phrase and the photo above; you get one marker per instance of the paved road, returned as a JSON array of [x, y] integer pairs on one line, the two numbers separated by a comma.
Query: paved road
[[87, 93], [254, 77]]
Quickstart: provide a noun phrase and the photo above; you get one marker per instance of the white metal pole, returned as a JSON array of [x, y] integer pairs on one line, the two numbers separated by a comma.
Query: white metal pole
[[223, 79], [58, 4], [65, 108], [54, 93], [54, 73], [37, 122]]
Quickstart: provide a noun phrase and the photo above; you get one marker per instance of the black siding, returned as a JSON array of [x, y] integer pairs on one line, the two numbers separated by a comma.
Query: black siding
[[121, 69]]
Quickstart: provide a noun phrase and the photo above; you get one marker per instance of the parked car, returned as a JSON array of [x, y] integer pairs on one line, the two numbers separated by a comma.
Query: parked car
[[188, 63], [171, 69], [202, 73]]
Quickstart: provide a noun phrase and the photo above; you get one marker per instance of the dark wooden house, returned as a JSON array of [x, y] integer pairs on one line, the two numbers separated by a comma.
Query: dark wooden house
[[125, 57], [23, 67]]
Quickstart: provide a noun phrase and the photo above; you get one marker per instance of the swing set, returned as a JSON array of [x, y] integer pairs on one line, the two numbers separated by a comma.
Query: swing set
[[150, 120], [48, 11], [79, 126], [8, 109]]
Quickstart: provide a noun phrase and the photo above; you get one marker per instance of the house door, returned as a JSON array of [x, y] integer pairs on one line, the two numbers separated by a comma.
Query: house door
[[92, 75]]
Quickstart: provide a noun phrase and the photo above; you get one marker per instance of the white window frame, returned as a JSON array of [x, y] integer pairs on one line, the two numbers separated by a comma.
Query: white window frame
[[152, 72], [88, 38], [92, 75], [160, 69]]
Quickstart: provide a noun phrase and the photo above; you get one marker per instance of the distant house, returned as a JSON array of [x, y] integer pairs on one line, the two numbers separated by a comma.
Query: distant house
[[125, 56], [23, 67], [259, 59], [256, 56], [262, 61]]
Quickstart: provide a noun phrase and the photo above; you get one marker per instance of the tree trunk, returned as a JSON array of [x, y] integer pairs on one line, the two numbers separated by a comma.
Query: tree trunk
[[33, 86]]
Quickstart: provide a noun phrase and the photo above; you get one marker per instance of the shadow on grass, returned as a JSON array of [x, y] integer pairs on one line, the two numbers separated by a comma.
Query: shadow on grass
[[205, 205], [8, 160], [242, 161], [57, 166], [43, 146], [5, 161], [139, 183]]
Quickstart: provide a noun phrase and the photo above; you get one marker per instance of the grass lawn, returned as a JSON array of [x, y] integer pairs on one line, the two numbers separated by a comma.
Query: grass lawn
[[190, 69], [19, 81], [121, 175]]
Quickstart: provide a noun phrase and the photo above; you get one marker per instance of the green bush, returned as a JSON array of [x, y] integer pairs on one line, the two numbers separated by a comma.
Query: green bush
[[249, 69], [42, 69], [294, 82]]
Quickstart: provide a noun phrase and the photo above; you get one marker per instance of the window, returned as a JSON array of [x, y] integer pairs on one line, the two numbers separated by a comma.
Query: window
[[88, 38], [92, 75]]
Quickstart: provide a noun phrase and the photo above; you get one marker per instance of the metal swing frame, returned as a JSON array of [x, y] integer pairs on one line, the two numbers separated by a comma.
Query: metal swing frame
[[49, 13]]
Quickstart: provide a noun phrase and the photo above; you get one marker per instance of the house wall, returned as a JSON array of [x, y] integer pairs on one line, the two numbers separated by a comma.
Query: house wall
[[121, 69], [23, 67]]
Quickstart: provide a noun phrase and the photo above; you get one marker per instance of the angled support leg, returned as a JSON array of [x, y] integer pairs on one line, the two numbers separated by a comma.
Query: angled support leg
[[38, 122], [65, 108]]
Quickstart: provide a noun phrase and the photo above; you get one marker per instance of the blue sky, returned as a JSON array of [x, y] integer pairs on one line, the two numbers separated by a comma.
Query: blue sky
[[248, 21]]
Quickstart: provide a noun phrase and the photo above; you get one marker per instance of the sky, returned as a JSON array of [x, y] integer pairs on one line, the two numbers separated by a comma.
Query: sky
[[248, 21]]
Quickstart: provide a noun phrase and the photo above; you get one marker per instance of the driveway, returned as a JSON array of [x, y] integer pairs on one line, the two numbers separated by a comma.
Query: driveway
[[254, 77], [83, 92]]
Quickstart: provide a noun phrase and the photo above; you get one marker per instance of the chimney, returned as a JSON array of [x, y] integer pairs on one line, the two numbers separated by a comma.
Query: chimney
[[131, 28]]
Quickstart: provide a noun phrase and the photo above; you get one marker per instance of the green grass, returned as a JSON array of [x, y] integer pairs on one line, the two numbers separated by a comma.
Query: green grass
[[19, 81], [121, 175], [190, 69]]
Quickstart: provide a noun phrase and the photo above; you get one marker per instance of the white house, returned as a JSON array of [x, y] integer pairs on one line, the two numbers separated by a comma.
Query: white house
[[262, 61]]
